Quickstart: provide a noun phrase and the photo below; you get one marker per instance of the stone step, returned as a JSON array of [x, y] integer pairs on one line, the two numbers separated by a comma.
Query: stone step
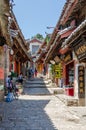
[[37, 91], [37, 86], [37, 82], [68, 100], [58, 91]]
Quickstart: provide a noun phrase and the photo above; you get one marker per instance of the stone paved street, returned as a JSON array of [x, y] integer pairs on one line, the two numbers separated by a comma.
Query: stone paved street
[[38, 109]]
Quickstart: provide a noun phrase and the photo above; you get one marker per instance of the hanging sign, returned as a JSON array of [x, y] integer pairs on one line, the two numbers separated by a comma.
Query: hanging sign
[[81, 81], [58, 70], [68, 57], [80, 50]]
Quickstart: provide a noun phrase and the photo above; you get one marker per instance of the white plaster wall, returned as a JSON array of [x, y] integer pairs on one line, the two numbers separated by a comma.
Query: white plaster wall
[[35, 43], [76, 81]]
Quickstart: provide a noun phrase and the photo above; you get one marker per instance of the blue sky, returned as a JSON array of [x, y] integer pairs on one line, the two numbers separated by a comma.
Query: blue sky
[[33, 16]]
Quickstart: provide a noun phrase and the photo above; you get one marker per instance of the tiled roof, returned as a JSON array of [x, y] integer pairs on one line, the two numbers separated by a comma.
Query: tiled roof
[[35, 40]]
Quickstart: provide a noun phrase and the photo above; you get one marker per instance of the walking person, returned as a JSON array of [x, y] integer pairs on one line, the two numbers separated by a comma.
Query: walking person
[[20, 78], [29, 73], [44, 71], [9, 84], [35, 72]]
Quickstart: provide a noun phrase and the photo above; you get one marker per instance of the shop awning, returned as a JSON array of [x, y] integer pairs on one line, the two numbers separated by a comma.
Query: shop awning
[[61, 35]]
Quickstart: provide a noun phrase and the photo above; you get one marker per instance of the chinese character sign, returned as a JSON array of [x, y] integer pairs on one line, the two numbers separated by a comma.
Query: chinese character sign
[[58, 70], [81, 81]]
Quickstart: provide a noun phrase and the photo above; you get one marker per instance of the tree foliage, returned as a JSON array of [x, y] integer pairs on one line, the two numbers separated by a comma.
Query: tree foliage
[[38, 36], [47, 39]]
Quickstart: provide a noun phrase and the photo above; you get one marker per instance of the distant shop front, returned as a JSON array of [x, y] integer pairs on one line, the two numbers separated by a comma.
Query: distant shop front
[[80, 52], [68, 73]]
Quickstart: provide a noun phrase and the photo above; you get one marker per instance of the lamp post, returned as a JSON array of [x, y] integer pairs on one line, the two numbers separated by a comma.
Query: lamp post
[[49, 27]]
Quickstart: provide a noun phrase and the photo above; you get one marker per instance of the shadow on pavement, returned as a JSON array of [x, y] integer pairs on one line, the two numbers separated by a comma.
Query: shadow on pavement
[[29, 112], [26, 115]]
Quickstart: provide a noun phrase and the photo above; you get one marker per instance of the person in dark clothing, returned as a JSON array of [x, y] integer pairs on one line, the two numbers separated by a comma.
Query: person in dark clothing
[[44, 70], [9, 84], [29, 73], [35, 72], [20, 78]]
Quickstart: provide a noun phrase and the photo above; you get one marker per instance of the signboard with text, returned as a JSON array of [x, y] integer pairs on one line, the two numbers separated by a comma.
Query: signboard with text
[[58, 70], [80, 50], [81, 81], [68, 57]]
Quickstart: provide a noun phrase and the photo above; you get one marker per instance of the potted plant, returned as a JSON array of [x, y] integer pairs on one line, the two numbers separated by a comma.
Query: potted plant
[[20, 87]]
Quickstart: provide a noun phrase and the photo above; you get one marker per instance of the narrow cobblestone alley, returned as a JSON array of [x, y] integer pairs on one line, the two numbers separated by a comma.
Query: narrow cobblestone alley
[[43, 65], [38, 109]]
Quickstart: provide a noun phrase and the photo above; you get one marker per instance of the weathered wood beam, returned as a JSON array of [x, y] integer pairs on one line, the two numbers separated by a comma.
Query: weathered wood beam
[[4, 14]]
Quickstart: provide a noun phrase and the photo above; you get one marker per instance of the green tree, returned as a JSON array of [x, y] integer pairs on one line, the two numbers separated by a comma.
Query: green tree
[[47, 38], [38, 36]]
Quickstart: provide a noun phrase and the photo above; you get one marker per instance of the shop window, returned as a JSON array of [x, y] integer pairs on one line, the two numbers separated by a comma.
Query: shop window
[[35, 48], [70, 74]]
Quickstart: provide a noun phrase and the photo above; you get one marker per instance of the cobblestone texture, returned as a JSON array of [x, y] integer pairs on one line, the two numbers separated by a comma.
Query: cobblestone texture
[[36, 111]]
